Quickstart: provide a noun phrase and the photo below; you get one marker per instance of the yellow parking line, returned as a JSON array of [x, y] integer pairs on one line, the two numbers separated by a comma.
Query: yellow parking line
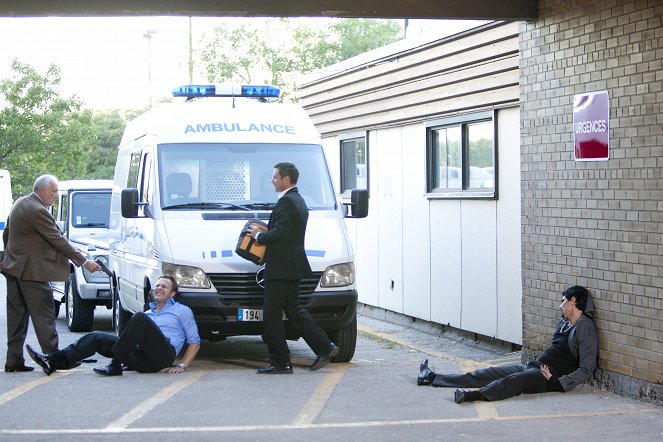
[[149, 404], [320, 396], [485, 410], [16, 392]]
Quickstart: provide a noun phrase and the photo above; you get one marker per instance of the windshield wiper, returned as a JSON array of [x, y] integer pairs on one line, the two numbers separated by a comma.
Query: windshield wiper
[[208, 205], [92, 225], [260, 205]]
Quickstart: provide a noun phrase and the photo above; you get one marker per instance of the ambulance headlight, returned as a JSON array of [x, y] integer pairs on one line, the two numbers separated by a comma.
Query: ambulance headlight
[[338, 275], [187, 276]]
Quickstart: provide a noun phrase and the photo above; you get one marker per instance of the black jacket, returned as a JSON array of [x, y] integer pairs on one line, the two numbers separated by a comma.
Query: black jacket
[[285, 257]]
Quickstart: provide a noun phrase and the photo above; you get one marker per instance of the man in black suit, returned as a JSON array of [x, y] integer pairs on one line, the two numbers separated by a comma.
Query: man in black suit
[[285, 265]]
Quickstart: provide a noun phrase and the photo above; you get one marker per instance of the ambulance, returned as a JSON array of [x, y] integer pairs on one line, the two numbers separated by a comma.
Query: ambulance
[[189, 175], [5, 201]]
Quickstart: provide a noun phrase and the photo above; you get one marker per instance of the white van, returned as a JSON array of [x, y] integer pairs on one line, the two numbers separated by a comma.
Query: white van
[[5, 201], [81, 212], [189, 175]]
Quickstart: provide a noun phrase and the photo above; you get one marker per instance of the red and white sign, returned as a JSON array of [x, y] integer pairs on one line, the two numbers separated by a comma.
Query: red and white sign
[[591, 118]]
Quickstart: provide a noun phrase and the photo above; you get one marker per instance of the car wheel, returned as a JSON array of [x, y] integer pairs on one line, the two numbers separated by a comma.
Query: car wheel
[[79, 312], [346, 340], [120, 315]]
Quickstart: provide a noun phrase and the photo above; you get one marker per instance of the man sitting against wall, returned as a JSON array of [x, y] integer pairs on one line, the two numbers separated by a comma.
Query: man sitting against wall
[[569, 361]]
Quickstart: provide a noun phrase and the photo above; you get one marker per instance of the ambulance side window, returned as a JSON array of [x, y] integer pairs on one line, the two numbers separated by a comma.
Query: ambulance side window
[[146, 186], [132, 178]]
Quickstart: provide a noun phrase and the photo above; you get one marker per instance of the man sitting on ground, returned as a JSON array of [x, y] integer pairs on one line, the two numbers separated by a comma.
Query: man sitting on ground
[[149, 343], [569, 361]]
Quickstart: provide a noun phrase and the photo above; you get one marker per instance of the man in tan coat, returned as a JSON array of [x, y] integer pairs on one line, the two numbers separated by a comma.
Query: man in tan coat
[[35, 253]]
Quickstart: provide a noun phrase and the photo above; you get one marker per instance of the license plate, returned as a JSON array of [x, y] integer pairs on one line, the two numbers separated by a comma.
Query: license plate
[[249, 314]]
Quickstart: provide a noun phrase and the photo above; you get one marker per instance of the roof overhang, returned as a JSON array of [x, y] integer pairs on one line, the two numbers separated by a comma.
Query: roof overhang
[[449, 9]]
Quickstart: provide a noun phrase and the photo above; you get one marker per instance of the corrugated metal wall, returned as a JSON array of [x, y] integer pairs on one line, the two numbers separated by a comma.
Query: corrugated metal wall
[[474, 70]]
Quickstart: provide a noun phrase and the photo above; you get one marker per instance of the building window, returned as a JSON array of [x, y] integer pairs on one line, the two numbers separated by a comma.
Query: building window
[[354, 162], [461, 157]]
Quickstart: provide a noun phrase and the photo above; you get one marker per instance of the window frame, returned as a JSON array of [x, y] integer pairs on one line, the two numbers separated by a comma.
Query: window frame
[[462, 121], [342, 138]]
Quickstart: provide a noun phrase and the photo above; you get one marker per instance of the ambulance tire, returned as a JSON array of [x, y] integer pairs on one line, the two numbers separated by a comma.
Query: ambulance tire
[[79, 312], [120, 315], [346, 340]]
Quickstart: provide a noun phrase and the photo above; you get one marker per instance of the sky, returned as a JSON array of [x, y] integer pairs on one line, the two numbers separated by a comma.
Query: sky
[[109, 64]]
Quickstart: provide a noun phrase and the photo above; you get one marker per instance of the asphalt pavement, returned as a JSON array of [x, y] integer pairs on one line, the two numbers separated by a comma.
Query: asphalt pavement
[[373, 397]]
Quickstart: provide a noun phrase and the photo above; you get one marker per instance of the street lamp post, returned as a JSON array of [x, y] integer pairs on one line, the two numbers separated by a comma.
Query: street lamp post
[[148, 34]]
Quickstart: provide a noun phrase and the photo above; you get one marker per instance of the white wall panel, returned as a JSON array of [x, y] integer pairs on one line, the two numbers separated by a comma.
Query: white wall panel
[[509, 280], [363, 233], [446, 285], [389, 172], [416, 230], [367, 236], [479, 237]]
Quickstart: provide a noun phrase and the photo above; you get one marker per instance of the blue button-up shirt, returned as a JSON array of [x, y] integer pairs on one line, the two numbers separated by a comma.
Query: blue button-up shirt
[[176, 322]]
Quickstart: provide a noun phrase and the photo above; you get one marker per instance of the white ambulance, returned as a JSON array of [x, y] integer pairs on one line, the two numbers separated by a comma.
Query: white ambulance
[[5, 201], [189, 175]]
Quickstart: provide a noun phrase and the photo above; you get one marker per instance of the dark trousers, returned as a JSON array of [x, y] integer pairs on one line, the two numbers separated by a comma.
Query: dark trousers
[[281, 296], [496, 383], [141, 347], [29, 300]]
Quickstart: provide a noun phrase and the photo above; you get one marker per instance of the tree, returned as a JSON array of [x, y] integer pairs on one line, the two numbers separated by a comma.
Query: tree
[[40, 132], [359, 35], [109, 125], [275, 51]]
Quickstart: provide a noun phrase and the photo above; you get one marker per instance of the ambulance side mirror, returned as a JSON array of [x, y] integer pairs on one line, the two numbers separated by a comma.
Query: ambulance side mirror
[[129, 203], [358, 205]]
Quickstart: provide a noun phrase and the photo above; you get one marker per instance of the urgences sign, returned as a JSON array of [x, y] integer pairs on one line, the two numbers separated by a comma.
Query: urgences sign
[[591, 118]]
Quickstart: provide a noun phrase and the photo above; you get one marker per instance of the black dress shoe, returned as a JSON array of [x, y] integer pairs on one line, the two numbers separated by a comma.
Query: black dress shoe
[[41, 360], [9, 369], [323, 360], [276, 369], [426, 375], [71, 366], [461, 396], [111, 369]]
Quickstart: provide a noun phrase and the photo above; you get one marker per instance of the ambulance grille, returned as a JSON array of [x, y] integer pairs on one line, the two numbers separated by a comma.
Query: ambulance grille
[[234, 284]]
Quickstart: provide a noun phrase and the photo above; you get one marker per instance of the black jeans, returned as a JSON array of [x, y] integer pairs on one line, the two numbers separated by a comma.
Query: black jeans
[[141, 347], [496, 383], [281, 296]]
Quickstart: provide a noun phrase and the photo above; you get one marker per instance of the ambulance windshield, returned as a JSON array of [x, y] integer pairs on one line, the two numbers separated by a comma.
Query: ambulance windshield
[[238, 176]]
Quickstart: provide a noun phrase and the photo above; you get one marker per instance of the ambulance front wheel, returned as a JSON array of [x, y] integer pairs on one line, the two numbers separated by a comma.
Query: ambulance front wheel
[[120, 315], [346, 340]]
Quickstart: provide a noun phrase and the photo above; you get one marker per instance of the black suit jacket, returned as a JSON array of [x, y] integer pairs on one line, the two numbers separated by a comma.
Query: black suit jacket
[[285, 257]]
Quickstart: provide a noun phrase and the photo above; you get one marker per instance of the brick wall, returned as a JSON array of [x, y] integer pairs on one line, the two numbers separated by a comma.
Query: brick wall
[[597, 224]]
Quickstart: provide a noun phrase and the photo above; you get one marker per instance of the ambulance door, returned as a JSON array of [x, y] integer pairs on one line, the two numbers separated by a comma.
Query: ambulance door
[[143, 241]]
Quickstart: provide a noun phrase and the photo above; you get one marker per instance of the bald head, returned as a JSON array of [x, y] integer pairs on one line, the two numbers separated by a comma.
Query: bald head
[[46, 187]]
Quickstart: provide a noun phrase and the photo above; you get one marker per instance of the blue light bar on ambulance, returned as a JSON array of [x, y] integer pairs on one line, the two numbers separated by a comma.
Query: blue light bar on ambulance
[[227, 90]]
